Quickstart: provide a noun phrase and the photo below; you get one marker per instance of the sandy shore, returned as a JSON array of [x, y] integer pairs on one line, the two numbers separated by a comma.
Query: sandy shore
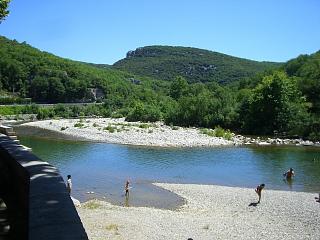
[[210, 212], [133, 133]]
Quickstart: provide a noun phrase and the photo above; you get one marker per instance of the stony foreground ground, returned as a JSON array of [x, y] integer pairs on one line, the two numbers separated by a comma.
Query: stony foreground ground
[[210, 212]]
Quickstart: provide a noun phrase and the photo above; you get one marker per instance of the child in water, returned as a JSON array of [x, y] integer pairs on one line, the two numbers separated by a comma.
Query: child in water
[[126, 188], [258, 190]]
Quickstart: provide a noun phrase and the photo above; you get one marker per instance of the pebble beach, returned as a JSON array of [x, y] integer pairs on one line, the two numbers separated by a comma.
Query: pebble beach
[[119, 131], [132, 133], [210, 212]]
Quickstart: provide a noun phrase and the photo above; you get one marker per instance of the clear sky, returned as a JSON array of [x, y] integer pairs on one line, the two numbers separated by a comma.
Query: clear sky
[[102, 31]]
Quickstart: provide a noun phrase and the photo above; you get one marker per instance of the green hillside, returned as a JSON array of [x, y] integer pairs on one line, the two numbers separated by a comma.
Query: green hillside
[[28, 72], [283, 100], [196, 65]]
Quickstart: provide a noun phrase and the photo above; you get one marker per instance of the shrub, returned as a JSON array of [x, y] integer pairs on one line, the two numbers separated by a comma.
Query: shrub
[[110, 129], [79, 125], [144, 125], [44, 113], [208, 132], [116, 115], [217, 132]]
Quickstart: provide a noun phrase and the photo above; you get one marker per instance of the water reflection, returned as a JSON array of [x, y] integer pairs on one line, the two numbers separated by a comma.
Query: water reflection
[[289, 182], [126, 201]]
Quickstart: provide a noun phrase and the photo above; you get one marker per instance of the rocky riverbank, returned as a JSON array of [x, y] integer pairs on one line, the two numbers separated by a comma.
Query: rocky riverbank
[[273, 141], [148, 134], [131, 133], [210, 212]]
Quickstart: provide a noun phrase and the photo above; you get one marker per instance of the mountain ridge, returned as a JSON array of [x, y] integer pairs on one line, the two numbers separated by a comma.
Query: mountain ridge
[[196, 65]]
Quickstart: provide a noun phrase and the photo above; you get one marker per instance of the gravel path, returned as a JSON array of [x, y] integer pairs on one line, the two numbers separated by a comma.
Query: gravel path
[[211, 212], [132, 133]]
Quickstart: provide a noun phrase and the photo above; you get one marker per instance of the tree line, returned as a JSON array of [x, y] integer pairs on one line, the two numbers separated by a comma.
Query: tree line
[[284, 100]]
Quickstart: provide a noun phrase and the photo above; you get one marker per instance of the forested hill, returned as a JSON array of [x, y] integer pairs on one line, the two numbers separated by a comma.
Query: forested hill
[[28, 72], [196, 65], [285, 100], [307, 69]]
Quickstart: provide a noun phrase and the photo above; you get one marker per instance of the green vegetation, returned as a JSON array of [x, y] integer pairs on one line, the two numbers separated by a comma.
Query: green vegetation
[[174, 127], [79, 125], [92, 205], [110, 128], [144, 125], [195, 65], [45, 78], [14, 110], [217, 132], [4, 9], [285, 100]]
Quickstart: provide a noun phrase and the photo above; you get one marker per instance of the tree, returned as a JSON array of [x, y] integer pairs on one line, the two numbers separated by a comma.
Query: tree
[[57, 90], [178, 87], [3, 9], [276, 104], [39, 89]]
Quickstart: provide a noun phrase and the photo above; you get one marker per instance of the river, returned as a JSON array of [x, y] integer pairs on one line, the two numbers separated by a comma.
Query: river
[[99, 170]]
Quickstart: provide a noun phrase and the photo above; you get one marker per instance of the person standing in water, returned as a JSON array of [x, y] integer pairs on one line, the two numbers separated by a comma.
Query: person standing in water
[[126, 188], [69, 184], [259, 189], [289, 174]]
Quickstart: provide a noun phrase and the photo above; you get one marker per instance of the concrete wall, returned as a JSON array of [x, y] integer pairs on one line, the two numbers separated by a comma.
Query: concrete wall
[[38, 202], [14, 190]]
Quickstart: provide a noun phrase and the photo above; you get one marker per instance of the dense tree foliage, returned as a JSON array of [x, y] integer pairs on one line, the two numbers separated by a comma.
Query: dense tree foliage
[[276, 104], [195, 65], [285, 100], [28, 72], [4, 9]]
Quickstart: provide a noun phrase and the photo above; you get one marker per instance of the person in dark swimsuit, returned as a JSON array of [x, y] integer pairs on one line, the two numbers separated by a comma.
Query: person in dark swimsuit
[[259, 189], [289, 174], [126, 188]]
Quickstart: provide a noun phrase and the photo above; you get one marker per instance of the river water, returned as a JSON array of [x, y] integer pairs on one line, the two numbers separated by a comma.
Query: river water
[[103, 168]]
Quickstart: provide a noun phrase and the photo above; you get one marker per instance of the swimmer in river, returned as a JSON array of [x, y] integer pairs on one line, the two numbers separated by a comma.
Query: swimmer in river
[[289, 174]]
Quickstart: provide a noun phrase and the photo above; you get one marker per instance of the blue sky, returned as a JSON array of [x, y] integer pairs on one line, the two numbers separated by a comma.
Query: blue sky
[[102, 31]]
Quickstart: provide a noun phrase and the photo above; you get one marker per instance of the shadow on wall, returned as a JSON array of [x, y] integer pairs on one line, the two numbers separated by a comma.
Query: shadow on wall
[[38, 205]]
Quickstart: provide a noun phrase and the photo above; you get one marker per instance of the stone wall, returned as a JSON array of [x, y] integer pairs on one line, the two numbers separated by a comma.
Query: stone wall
[[35, 193]]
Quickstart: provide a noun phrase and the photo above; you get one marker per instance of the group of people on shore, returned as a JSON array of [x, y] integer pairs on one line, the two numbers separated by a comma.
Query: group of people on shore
[[288, 175]]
